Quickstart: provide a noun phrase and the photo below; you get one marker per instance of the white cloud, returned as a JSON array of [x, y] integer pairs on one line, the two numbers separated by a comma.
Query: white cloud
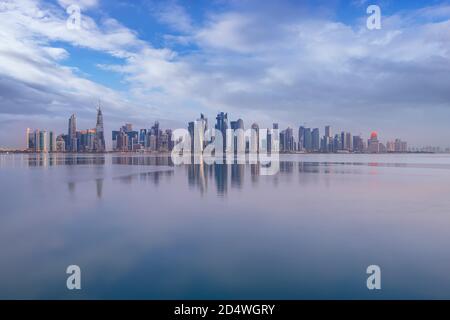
[[172, 14], [34, 20], [83, 4]]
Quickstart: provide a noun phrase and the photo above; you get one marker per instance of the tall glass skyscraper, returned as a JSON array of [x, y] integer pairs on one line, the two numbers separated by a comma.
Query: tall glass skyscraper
[[222, 126], [72, 134], [99, 145], [43, 141], [301, 138], [307, 139], [315, 139], [52, 141]]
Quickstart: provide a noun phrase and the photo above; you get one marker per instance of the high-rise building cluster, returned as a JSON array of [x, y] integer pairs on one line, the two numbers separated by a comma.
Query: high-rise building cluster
[[40, 141], [197, 130], [238, 141], [154, 139], [90, 140], [396, 146], [430, 149], [307, 140]]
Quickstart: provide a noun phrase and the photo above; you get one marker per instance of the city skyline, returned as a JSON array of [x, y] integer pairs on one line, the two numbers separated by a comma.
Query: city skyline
[[308, 61], [327, 127], [89, 140], [157, 139]]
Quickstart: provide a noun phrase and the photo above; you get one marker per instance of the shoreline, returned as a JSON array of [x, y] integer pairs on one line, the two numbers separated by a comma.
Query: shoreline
[[169, 153]]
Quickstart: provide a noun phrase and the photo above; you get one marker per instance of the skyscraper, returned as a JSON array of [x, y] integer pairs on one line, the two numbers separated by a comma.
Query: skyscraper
[[191, 130], [200, 126], [73, 144], [400, 146], [222, 126], [125, 139], [28, 141], [307, 143], [156, 132], [290, 139], [301, 138], [254, 140], [99, 144], [238, 137], [373, 145], [348, 141], [43, 141], [52, 141], [328, 131], [143, 138], [222, 121], [287, 140], [337, 145], [282, 140], [358, 144], [315, 140], [272, 134], [33, 140], [37, 143], [326, 142], [60, 144], [170, 143]]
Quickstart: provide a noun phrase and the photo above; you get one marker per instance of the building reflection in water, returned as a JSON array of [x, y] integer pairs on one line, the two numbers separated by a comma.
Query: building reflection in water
[[310, 167], [71, 186], [286, 166], [254, 171], [221, 178], [233, 175], [199, 175], [237, 175], [225, 175], [153, 177], [50, 160], [143, 160], [99, 185]]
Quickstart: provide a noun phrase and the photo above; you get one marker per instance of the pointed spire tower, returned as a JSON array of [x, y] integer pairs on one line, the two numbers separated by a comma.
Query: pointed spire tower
[[100, 145]]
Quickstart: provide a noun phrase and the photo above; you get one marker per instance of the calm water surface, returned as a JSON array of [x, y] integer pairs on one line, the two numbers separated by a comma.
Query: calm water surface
[[142, 228]]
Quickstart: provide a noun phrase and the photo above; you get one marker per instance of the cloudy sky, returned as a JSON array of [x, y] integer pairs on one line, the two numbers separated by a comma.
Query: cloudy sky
[[292, 62]]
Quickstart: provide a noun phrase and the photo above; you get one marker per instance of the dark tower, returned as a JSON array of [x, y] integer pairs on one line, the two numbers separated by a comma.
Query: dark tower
[[100, 145]]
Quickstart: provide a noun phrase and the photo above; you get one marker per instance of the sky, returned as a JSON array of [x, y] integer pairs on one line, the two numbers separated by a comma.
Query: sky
[[297, 63]]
